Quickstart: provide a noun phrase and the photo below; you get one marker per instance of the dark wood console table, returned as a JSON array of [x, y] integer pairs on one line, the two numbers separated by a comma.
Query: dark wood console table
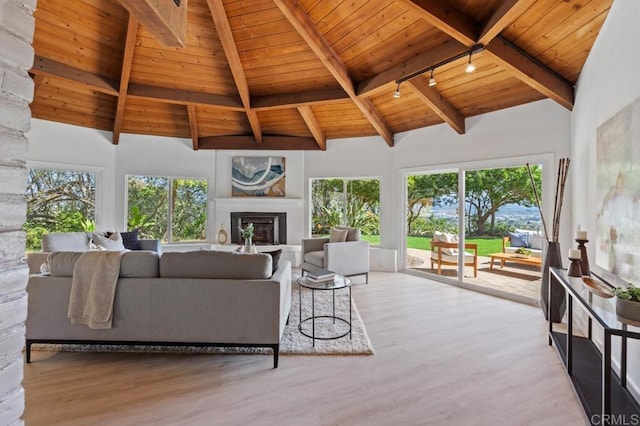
[[602, 392]]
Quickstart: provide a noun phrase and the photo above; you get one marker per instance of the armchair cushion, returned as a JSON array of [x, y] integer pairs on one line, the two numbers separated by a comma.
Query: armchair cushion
[[338, 235], [315, 258]]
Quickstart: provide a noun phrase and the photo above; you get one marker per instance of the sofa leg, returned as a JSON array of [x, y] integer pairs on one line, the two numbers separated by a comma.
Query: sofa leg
[[288, 316], [28, 345], [276, 351], [366, 278]]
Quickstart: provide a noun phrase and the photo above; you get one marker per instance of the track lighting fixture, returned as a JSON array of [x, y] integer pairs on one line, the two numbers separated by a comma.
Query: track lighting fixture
[[396, 94], [432, 81], [431, 68], [470, 67]]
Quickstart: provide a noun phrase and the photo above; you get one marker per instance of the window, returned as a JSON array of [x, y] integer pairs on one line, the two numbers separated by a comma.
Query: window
[[168, 209], [346, 202], [59, 201]]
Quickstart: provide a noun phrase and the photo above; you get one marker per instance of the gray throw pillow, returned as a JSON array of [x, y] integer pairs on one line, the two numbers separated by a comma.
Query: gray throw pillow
[[338, 235]]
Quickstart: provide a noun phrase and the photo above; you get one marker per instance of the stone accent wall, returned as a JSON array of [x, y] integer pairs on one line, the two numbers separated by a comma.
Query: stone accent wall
[[16, 92]]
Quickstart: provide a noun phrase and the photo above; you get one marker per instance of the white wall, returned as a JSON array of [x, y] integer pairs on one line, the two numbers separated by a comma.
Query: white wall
[[608, 83]]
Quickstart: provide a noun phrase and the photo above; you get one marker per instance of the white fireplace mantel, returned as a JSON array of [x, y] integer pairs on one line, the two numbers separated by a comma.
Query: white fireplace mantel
[[258, 201]]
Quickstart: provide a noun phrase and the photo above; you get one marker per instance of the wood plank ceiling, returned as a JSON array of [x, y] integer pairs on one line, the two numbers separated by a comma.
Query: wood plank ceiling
[[290, 74]]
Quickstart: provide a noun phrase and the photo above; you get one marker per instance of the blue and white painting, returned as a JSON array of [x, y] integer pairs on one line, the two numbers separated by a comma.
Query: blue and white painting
[[257, 177]]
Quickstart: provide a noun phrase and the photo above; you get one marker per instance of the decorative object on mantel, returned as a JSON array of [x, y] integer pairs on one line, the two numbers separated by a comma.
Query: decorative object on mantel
[[574, 268], [552, 258], [258, 177], [247, 236], [222, 237], [628, 304], [581, 239]]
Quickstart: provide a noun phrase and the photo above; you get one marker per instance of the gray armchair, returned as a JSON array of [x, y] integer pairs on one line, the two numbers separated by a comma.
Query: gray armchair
[[349, 258]]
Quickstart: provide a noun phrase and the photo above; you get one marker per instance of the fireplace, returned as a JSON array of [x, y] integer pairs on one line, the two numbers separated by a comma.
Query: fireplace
[[268, 228]]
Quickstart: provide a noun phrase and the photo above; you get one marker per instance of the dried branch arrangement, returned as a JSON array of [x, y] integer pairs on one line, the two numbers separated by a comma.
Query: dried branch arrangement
[[563, 172]]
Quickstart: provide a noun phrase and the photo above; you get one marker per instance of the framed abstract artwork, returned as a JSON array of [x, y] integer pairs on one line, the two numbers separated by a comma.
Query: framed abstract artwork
[[617, 198], [258, 177]]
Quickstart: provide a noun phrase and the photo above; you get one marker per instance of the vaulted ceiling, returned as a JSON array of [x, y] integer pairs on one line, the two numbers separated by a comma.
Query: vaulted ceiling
[[288, 74]]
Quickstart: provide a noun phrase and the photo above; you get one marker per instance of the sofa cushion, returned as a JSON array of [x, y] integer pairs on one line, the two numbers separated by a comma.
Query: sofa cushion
[[65, 241], [445, 237], [315, 258], [215, 264], [111, 242], [131, 240], [338, 235], [61, 263], [519, 239], [275, 259], [140, 264], [468, 257]]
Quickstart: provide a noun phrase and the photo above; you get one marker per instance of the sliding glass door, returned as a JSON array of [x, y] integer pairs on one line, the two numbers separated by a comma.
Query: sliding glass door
[[432, 223], [497, 245]]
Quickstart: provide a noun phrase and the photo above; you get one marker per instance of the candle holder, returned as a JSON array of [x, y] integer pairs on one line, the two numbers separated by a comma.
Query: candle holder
[[584, 262], [574, 268]]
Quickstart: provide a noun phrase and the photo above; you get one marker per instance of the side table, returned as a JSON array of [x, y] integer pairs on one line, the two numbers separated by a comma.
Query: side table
[[339, 282]]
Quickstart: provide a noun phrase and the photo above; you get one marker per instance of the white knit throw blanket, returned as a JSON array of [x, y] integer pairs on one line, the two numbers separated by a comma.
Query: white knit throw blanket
[[93, 288]]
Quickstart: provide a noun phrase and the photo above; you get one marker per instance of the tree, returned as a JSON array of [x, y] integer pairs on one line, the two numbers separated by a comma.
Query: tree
[[58, 201], [425, 191], [489, 189]]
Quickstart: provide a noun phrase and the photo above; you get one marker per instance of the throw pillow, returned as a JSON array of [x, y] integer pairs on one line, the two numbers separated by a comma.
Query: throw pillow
[[519, 239], [114, 242], [445, 237], [338, 235], [353, 234], [130, 240], [275, 259]]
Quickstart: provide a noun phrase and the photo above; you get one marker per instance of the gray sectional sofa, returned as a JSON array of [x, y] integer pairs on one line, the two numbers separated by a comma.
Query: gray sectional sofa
[[199, 298]]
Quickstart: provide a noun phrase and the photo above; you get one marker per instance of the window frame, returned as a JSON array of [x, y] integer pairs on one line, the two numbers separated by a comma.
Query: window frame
[[97, 170], [169, 206]]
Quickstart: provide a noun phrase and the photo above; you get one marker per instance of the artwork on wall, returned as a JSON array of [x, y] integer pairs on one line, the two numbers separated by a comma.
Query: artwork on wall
[[258, 177], [618, 194]]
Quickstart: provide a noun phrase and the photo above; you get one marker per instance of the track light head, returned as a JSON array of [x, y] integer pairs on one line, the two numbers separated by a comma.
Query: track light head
[[470, 67], [432, 81], [396, 94]]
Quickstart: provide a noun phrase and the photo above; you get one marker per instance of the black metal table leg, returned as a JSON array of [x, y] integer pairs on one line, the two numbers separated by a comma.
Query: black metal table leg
[[570, 336], [606, 373]]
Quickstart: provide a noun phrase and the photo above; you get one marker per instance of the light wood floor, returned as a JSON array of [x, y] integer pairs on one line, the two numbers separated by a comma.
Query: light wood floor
[[444, 356]]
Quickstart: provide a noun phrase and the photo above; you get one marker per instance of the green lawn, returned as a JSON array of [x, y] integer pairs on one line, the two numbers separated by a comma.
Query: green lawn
[[486, 246]]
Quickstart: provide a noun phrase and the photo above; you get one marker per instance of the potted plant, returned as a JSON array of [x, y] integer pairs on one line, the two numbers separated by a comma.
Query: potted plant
[[247, 234], [523, 252], [628, 302]]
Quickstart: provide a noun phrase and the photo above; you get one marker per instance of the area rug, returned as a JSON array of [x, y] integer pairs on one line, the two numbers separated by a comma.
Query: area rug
[[292, 342]]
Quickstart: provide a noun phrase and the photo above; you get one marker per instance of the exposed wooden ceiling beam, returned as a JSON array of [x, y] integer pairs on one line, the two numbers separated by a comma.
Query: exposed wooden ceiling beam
[[437, 103], [166, 20], [312, 123], [531, 72], [292, 100], [55, 69], [269, 142], [38, 80], [127, 60], [184, 97], [506, 13], [233, 58], [304, 25], [461, 27], [193, 126], [447, 19], [417, 63]]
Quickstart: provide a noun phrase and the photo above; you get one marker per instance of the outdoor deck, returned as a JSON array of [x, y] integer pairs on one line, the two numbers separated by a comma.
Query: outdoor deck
[[517, 279]]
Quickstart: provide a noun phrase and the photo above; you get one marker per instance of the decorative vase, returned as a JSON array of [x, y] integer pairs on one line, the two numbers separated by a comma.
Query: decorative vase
[[222, 235], [558, 303], [628, 311], [248, 243]]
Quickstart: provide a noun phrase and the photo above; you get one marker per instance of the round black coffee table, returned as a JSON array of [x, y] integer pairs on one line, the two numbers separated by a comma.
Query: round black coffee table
[[337, 283]]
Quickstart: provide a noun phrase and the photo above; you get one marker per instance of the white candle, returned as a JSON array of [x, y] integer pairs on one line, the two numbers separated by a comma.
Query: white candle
[[581, 235], [575, 254]]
